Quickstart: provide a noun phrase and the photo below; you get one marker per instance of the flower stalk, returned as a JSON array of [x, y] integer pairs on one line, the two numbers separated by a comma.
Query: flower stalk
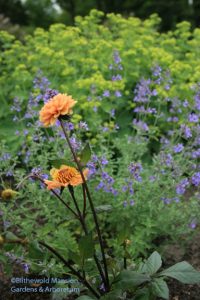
[[73, 271], [90, 202]]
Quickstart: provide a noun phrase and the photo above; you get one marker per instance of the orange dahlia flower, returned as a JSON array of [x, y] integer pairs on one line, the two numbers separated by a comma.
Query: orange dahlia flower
[[65, 176], [61, 104]]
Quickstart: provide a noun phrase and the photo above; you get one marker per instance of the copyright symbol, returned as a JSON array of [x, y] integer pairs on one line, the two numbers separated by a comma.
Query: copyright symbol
[[13, 280]]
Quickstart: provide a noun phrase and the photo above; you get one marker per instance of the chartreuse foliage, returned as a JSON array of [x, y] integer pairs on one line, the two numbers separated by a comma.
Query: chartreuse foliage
[[76, 60]]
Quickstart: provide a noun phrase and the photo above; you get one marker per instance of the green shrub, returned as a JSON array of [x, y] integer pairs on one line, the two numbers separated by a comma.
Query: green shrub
[[77, 59]]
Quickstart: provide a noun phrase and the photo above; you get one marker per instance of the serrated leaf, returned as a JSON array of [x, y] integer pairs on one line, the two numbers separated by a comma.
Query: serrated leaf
[[183, 272], [153, 264], [85, 155], [160, 288]]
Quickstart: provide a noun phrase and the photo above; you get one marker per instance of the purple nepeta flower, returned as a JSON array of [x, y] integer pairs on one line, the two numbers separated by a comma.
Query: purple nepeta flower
[[186, 131], [41, 82], [197, 100], [105, 129], [5, 156], [25, 267], [102, 287], [157, 71], [92, 168], [26, 132], [16, 105], [167, 159], [193, 118], [176, 199], [106, 93], [49, 93], [104, 161], [135, 170], [116, 57], [132, 202], [193, 225], [154, 92], [118, 94], [75, 143], [185, 103], [140, 125], [69, 126], [125, 203], [181, 187], [83, 125], [196, 179], [142, 91], [166, 200], [112, 112], [124, 188], [178, 148], [196, 153], [117, 77], [105, 176]]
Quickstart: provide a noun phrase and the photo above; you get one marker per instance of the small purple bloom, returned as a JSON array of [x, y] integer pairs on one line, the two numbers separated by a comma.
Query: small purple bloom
[[117, 77], [118, 94], [125, 203], [193, 225], [181, 187], [196, 179], [49, 93], [193, 118], [104, 161], [106, 93], [186, 131], [178, 148], [26, 268], [112, 112], [185, 103], [83, 125]]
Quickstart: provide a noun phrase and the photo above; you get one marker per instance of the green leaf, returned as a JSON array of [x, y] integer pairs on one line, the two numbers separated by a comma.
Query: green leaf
[[58, 162], [124, 233], [85, 155], [103, 208], [11, 237], [34, 250], [115, 294], [183, 272], [142, 294], [160, 288], [130, 279], [153, 264], [86, 246]]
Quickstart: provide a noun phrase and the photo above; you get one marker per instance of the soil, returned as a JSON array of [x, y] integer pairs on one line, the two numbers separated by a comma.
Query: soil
[[173, 254]]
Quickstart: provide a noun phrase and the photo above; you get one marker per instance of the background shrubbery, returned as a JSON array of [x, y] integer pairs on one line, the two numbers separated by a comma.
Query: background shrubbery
[[79, 60]]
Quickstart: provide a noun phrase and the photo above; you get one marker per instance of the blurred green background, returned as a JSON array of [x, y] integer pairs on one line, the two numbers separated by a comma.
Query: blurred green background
[[21, 16]]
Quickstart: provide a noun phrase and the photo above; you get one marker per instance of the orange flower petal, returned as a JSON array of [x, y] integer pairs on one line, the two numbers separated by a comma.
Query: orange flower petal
[[60, 104]]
